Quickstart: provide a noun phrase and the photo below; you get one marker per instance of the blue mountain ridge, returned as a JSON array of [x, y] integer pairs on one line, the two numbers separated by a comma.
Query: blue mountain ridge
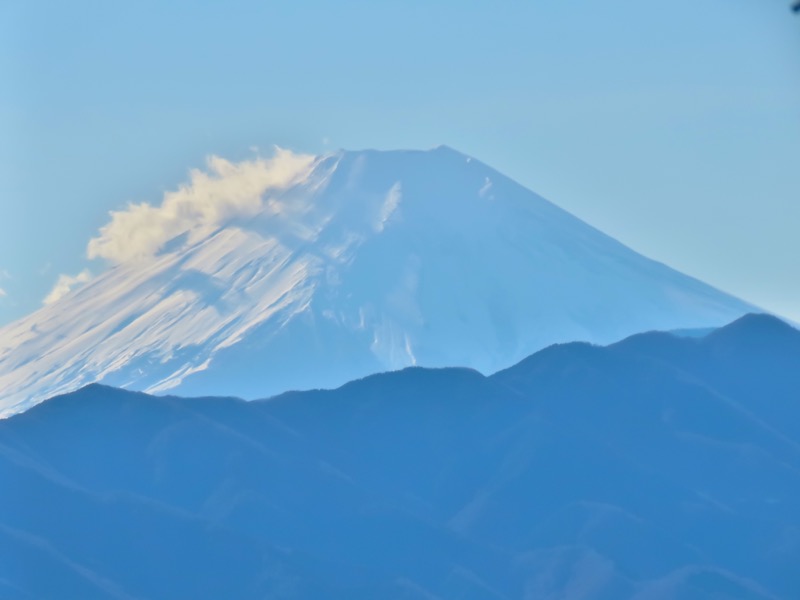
[[657, 467]]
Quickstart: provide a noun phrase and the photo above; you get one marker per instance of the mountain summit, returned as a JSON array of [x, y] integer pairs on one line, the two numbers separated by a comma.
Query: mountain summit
[[303, 272]]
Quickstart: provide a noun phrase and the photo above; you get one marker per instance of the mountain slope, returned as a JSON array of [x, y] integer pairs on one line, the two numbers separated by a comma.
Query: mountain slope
[[582, 472], [361, 262]]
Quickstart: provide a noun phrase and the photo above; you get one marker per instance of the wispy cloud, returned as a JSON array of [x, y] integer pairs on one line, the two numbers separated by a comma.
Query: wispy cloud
[[3, 293], [65, 284], [223, 191]]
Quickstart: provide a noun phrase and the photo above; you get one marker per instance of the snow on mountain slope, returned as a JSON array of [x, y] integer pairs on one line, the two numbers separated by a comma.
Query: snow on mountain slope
[[253, 280]]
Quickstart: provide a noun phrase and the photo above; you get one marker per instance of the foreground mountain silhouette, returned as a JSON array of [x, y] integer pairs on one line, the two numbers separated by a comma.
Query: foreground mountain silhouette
[[655, 468], [360, 262]]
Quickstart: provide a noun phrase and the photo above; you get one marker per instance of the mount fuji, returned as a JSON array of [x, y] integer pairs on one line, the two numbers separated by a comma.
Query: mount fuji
[[305, 272]]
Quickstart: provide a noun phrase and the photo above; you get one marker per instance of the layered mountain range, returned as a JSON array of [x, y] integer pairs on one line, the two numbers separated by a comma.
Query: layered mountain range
[[656, 468], [353, 263]]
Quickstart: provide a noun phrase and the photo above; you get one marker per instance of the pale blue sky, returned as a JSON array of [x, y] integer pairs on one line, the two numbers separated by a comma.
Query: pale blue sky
[[673, 126]]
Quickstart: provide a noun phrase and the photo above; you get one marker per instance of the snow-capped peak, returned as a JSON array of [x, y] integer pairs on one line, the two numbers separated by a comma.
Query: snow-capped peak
[[301, 271]]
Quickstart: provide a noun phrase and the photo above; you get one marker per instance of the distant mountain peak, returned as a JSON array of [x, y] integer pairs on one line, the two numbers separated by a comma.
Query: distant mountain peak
[[755, 328], [303, 272], [757, 322]]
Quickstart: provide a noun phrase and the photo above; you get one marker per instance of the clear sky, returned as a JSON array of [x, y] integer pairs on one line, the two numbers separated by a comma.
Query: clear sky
[[672, 126]]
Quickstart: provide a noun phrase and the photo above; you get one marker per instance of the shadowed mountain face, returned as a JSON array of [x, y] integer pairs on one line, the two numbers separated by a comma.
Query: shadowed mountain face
[[370, 261], [659, 467]]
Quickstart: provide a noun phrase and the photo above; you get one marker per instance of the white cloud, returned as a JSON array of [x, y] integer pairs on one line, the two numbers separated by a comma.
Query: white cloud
[[224, 191], [65, 284], [3, 293]]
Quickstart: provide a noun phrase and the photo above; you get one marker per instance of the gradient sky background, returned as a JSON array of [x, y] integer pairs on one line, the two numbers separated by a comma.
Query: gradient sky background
[[672, 126]]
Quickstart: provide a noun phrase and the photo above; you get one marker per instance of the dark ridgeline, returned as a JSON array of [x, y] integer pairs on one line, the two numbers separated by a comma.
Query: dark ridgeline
[[658, 467]]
